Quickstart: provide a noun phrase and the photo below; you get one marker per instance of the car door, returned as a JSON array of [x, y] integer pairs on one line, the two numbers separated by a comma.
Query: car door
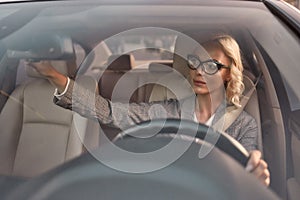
[[289, 92]]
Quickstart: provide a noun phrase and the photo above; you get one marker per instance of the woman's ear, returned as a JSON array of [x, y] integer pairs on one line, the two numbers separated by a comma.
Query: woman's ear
[[227, 79], [227, 76]]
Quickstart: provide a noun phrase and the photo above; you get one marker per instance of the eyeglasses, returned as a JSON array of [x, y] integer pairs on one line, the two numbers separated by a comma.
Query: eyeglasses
[[209, 66]]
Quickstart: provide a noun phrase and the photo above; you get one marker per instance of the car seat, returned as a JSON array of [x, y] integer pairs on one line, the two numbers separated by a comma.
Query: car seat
[[36, 134]]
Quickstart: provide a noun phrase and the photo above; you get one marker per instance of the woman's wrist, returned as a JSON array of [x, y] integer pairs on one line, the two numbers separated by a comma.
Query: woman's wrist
[[59, 81], [58, 94]]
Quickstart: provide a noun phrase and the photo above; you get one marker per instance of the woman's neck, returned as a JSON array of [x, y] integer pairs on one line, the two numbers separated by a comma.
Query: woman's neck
[[206, 106]]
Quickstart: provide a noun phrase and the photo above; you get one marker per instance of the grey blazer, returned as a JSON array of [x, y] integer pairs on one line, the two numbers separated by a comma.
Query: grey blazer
[[243, 129]]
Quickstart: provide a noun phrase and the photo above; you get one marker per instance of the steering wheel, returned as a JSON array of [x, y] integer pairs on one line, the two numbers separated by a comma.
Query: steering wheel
[[216, 176], [190, 130]]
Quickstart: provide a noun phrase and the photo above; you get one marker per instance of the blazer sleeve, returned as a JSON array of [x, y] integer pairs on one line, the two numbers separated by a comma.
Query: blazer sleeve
[[121, 115]]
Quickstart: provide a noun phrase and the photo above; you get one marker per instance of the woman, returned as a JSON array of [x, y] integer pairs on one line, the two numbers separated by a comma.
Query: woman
[[208, 78]]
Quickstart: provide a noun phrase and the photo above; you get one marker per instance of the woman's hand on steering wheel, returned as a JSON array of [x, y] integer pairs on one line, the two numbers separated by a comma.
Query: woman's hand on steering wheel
[[258, 167]]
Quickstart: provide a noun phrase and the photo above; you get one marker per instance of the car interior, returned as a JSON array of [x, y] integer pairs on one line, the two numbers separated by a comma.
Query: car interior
[[36, 116], [40, 137]]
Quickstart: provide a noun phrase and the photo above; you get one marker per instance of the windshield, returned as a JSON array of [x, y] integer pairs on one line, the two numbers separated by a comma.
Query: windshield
[[127, 56]]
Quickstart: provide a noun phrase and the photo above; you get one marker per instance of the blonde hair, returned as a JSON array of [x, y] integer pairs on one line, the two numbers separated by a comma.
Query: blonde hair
[[235, 86]]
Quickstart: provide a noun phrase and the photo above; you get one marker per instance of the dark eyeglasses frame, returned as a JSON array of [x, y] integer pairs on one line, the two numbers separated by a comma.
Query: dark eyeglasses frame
[[219, 65]]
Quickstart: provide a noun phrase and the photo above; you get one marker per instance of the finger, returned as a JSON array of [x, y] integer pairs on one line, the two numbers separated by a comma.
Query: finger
[[262, 172], [254, 159], [38, 65], [265, 177], [260, 168], [30, 64], [267, 181]]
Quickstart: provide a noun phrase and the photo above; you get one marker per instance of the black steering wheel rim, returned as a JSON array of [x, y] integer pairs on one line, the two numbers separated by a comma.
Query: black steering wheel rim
[[168, 126]]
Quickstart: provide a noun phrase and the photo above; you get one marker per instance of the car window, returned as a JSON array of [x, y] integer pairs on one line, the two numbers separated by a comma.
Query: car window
[[162, 47], [79, 53], [276, 39]]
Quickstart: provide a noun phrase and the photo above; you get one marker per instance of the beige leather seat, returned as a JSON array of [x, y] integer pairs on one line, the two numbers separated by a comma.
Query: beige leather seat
[[36, 134]]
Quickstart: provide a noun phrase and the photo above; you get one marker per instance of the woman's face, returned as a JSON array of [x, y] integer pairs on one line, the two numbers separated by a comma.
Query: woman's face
[[203, 83]]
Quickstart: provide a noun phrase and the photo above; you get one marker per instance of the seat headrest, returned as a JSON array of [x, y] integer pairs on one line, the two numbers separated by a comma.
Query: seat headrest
[[184, 45], [60, 66], [160, 67], [120, 62]]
